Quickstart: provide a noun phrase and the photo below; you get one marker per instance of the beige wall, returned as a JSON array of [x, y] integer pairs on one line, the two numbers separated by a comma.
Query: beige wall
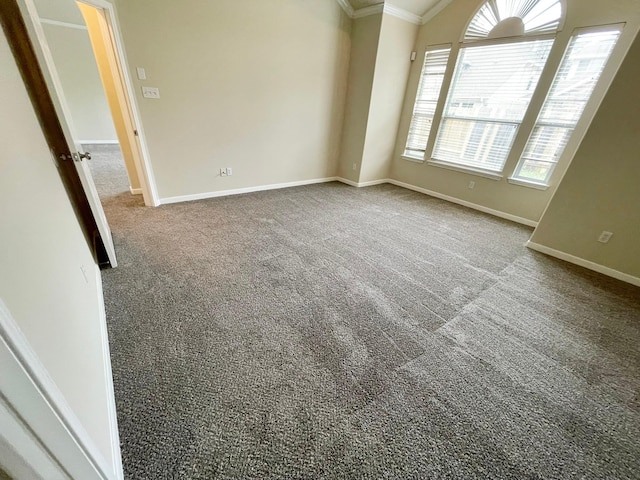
[[49, 279], [76, 66], [447, 28], [364, 49], [392, 65], [113, 90], [601, 189], [257, 85]]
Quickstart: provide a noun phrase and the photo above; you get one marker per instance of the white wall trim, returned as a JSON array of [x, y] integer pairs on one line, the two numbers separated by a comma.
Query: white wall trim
[[435, 10], [238, 191], [365, 12], [135, 191], [98, 142], [69, 443], [260, 188], [402, 14], [108, 380], [596, 267], [381, 8], [63, 24], [363, 184], [346, 6], [480, 208]]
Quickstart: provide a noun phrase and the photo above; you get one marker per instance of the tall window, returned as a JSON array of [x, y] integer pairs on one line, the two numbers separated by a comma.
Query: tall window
[[489, 96], [433, 69], [577, 76]]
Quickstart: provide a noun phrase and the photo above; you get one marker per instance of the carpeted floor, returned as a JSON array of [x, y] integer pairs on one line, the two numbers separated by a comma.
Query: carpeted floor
[[330, 332]]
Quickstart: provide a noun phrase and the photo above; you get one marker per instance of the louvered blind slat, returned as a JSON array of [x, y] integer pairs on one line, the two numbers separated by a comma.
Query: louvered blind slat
[[433, 69]]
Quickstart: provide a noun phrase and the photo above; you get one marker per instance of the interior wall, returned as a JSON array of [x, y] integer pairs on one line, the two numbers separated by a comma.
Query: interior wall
[[364, 50], [257, 85], [600, 190], [96, 25], [73, 56], [392, 65], [49, 282], [447, 28]]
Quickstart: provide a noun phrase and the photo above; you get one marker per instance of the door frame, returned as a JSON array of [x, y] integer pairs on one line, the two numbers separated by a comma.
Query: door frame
[[128, 104]]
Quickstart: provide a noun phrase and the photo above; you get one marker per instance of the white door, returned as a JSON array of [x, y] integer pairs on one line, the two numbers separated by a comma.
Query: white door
[[45, 59]]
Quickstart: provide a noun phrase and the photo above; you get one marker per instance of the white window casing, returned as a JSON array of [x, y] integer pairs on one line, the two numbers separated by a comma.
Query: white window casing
[[580, 70]]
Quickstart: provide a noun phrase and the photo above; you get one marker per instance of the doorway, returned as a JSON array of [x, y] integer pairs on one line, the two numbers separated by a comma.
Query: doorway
[[82, 40]]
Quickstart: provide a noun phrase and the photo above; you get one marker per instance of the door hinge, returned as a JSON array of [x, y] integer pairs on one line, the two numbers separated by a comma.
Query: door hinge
[[135, 132]]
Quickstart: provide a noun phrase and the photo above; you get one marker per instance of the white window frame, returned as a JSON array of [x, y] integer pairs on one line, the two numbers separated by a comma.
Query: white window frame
[[580, 127], [492, 174], [434, 126]]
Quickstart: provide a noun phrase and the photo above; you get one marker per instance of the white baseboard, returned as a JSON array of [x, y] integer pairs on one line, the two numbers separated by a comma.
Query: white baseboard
[[135, 191], [98, 142], [596, 267], [362, 184], [28, 388], [114, 435], [239, 191], [480, 208], [260, 188]]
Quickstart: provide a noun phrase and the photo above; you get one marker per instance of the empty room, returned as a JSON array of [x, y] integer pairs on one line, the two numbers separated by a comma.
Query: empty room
[[319, 239]]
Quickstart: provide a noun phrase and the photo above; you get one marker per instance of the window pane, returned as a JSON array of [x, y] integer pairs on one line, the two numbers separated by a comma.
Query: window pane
[[476, 144], [435, 64], [577, 76], [537, 171], [547, 143], [490, 94]]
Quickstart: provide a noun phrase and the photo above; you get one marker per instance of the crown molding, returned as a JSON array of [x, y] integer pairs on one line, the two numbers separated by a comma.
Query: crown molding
[[435, 10], [402, 14], [365, 12], [346, 6], [393, 11]]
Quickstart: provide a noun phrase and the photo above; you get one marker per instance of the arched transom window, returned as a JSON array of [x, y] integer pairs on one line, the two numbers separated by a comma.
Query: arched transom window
[[509, 18], [499, 64]]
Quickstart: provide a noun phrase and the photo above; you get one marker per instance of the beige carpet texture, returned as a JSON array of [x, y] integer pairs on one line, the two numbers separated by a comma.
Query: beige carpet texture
[[331, 332]]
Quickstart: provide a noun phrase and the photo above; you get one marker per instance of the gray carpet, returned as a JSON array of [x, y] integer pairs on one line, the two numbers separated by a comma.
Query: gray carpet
[[330, 332]]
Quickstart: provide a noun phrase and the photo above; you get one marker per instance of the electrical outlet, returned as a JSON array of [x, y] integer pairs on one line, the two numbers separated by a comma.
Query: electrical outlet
[[355, 167], [223, 172], [605, 237], [229, 171], [472, 184]]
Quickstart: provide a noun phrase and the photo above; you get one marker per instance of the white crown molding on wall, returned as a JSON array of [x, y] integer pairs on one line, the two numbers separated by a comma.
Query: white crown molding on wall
[[365, 12], [346, 6], [402, 14], [394, 11]]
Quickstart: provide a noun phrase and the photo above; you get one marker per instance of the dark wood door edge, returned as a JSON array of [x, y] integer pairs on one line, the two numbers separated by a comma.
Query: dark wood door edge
[[24, 54]]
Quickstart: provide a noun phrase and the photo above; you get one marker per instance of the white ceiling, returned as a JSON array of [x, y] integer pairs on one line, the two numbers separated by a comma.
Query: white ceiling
[[417, 7]]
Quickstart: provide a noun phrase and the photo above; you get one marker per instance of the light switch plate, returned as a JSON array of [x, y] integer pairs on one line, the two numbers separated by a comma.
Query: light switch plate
[[142, 75], [150, 92]]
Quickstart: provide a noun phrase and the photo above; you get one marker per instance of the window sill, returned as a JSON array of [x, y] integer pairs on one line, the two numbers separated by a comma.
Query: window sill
[[413, 159], [463, 169], [527, 183]]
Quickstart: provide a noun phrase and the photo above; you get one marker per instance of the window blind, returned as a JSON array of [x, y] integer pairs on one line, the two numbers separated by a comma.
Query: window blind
[[433, 69], [489, 96], [579, 72]]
